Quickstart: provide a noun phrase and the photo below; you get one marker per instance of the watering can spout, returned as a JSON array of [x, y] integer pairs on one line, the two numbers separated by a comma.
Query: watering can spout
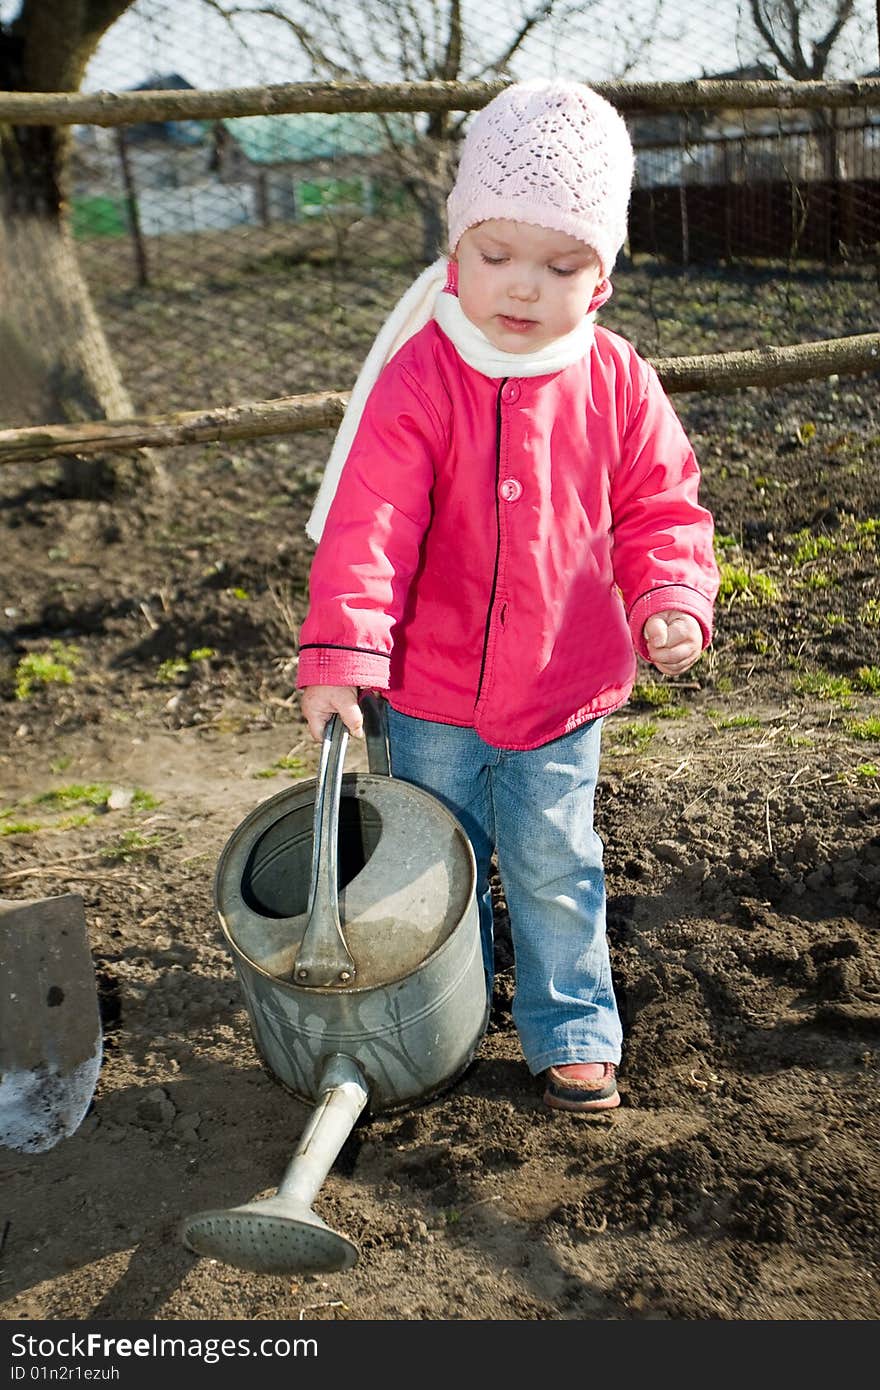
[[281, 1234]]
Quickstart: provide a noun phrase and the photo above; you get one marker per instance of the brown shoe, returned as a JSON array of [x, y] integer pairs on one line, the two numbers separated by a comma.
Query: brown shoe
[[582, 1086]]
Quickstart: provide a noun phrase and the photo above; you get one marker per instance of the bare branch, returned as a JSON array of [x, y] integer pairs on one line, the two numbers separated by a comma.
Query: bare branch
[[765, 366], [784, 20], [126, 108]]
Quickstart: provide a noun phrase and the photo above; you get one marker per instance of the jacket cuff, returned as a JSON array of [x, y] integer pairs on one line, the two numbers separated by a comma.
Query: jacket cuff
[[679, 597], [342, 666]]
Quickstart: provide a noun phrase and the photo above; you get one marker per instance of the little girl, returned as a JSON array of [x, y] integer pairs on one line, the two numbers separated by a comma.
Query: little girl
[[508, 516]]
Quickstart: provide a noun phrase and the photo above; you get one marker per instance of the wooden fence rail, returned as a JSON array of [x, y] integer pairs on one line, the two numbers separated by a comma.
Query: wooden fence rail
[[730, 371], [125, 108]]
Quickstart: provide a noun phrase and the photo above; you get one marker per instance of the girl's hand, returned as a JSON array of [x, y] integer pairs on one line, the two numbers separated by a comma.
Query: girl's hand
[[319, 702], [674, 641]]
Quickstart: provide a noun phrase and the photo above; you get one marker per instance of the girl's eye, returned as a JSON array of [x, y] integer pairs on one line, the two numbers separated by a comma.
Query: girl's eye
[[561, 270], [492, 260]]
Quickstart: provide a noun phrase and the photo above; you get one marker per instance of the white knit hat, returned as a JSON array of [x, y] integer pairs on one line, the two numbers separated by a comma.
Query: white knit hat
[[554, 154]]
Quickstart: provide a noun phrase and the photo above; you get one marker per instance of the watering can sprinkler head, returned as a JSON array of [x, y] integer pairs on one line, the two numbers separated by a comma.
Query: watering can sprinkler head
[[278, 1235], [281, 1234]]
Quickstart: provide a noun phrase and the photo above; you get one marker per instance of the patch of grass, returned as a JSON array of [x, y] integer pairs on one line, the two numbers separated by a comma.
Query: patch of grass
[[169, 670], [282, 765], [867, 772], [868, 678], [95, 794], [740, 721], [810, 547], [177, 666], [748, 586], [130, 845], [59, 765], [806, 432], [651, 693], [722, 543], [144, 801], [21, 827], [819, 579], [824, 686], [74, 822], [870, 612], [865, 728], [635, 737], [39, 669]]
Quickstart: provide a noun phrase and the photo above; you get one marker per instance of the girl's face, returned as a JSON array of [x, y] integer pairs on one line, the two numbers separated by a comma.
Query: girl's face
[[522, 285]]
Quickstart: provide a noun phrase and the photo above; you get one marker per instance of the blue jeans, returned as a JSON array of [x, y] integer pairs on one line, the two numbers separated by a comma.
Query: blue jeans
[[536, 809]]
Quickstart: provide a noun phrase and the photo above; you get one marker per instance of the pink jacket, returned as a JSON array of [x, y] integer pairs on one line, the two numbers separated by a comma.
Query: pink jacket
[[495, 547]]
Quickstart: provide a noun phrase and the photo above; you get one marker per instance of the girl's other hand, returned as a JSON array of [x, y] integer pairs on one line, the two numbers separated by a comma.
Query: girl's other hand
[[319, 702], [674, 641]]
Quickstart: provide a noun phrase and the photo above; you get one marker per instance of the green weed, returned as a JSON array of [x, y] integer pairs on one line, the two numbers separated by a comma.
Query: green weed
[[870, 612], [282, 765], [39, 669], [819, 579], [172, 668], [95, 794], [651, 693], [91, 794], [867, 771], [810, 547], [635, 737], [175, 667], [21, 827], [130, 845], [865, 728], [868, 678], [740, 721], [824, 686], [722, 543], [750, 586]]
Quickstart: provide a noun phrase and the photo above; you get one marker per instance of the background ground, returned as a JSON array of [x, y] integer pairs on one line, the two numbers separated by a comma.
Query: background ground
[[741, 812]]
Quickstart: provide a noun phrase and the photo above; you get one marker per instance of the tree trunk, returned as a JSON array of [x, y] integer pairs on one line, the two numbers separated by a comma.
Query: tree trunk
[[55, 362]]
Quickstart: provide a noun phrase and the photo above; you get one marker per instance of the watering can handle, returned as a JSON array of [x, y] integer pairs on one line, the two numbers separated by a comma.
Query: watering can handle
[[375, 712], [323, 957]]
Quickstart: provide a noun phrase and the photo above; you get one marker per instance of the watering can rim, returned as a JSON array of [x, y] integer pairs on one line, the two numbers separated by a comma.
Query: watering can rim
[[246, 834]]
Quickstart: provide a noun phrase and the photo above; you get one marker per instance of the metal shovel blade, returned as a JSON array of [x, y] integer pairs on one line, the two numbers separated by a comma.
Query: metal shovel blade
[[50, 1026]]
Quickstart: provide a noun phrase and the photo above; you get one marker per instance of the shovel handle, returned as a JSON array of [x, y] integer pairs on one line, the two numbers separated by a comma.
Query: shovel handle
[[323, 957]]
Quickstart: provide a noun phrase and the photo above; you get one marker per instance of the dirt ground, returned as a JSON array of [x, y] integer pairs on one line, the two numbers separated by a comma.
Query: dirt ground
[[740, 807]]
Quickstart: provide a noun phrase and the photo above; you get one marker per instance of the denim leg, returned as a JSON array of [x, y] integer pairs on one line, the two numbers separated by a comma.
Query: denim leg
[[550, 861], [451, 763]]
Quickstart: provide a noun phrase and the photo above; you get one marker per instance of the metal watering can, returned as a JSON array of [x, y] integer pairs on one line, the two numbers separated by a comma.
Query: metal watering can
[[349, 905]]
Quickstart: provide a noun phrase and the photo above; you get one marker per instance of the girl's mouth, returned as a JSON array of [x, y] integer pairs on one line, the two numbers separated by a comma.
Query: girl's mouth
[[517, 325]]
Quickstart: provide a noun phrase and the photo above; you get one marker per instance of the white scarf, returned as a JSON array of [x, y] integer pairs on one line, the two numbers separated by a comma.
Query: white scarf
[[425, 299]]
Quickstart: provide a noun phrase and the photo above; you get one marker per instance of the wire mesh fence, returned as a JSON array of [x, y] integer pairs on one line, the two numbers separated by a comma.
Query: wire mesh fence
[[255, 256]]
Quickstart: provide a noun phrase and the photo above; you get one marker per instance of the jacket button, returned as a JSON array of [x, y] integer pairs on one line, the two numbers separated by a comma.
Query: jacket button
[[510, 490], [511, 392]]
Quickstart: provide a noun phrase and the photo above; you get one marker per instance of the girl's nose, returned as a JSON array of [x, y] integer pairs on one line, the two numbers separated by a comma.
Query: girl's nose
[[524, 288]]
